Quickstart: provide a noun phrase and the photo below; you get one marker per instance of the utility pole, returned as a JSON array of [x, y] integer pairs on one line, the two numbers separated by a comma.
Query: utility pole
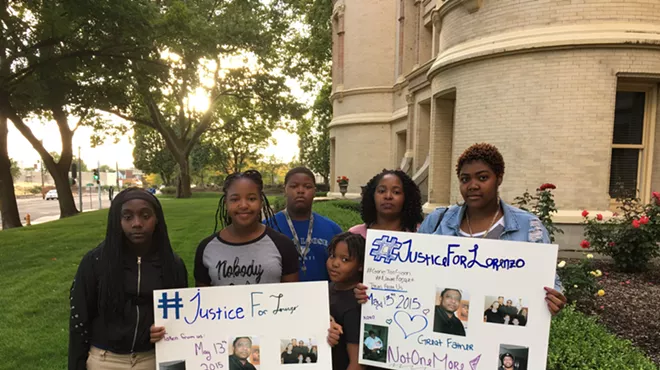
[[80, 185], [99, 183], [117, 177], [41, 169]]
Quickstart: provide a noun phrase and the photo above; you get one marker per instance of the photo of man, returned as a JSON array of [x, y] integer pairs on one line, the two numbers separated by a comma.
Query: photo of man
[[239, 359], [513, 357], [445, 319], [502, 310], [298, 351], [375, 343]]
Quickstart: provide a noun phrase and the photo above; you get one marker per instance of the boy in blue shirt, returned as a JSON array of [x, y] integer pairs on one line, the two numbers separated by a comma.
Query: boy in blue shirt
[[310, 232]]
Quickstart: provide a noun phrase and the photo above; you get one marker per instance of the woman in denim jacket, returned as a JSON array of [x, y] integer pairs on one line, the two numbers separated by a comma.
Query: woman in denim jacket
[[480, 171]]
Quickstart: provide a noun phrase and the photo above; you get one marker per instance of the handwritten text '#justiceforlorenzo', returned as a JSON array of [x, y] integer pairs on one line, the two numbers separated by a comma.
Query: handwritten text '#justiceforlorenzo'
[[388, 248]]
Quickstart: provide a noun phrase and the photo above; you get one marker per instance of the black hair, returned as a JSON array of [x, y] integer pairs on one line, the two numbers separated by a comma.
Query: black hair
[[221, 214], [372, 332], [448, 289], [487, 153], [111, 281], [355, 243], [239, 338], [297, 170], [411, 213]]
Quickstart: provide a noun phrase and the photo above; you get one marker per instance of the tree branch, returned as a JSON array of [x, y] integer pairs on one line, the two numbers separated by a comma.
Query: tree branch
[[140, 121]]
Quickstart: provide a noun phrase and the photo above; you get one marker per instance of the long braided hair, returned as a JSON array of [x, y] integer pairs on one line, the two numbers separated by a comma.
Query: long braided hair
[[221, 215], [111, 282]]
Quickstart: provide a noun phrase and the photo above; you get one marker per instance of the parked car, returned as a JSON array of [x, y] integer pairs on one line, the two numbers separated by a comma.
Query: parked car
[[52, 194]]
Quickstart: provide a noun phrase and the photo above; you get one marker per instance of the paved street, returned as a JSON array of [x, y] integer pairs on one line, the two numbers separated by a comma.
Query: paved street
[[41, 210]]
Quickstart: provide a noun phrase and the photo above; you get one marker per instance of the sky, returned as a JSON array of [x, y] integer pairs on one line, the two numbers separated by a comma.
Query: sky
[[20, 150]]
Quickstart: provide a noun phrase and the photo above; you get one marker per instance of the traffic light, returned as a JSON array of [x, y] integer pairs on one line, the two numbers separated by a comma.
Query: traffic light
[[96, 176]]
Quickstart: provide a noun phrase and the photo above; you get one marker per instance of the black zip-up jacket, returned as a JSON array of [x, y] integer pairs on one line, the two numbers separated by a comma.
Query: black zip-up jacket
[[127, 334]]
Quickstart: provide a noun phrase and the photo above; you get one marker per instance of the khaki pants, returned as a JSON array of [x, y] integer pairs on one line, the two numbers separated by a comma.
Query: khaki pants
[[100, 359]]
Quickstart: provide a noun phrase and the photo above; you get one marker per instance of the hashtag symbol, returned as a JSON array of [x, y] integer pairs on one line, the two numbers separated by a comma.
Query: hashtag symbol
[[386, 248], [166, 303]]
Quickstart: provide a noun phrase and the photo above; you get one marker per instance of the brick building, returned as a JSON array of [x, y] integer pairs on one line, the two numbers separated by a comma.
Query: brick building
[[567, 89]]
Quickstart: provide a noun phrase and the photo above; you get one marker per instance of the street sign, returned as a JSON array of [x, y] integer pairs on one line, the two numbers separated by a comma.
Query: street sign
[[90, 184]]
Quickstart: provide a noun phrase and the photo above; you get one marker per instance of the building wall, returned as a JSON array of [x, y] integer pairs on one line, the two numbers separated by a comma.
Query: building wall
[[499, 16]]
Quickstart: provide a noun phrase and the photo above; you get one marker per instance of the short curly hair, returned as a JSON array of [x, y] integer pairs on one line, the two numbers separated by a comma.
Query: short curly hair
[[411, 213], [484, 152]]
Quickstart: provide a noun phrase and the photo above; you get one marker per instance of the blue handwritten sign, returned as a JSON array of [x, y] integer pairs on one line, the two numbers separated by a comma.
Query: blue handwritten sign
[[438, 302], [205, 327]]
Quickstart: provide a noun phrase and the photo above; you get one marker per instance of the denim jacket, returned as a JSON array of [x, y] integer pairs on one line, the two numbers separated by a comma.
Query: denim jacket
[[519, 226]]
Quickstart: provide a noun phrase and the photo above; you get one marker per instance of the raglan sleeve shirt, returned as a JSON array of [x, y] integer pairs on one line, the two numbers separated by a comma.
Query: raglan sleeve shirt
[[83, 298], [201, 272]]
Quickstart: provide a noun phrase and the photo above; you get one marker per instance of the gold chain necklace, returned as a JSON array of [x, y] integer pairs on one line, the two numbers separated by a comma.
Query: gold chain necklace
[[467, 217]]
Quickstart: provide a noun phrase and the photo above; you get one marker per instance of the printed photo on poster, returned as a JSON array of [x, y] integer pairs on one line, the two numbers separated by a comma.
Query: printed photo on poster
[[452, 306], [513, 357], [172, 365], [244, 353], [375, 343], [505, 310], [298, 351]]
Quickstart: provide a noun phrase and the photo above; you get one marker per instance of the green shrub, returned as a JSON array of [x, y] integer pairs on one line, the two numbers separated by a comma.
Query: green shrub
[[578, 342], [542, 204], [345, 218], [321, 194], [168, 190], [631, 239], [580, 281], [35, 190], [349, 205], [277, 203]]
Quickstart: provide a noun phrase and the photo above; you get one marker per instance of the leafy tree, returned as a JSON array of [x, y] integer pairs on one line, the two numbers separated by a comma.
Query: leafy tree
[[271, 168], [52, 56], [217, 54], [83, 165], [15, 170], [311, 57], [151, 156], [315, 140], [106, 168]]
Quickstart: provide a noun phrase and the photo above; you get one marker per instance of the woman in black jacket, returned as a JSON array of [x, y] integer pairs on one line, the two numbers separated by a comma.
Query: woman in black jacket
[[112, 293]]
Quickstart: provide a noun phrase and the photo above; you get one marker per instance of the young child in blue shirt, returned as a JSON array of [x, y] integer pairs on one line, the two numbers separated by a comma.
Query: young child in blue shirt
[[310, 232]]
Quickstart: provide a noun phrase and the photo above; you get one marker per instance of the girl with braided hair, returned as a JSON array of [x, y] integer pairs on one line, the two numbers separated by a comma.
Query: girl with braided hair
[[390, 201], [245, 251], [112, 293]]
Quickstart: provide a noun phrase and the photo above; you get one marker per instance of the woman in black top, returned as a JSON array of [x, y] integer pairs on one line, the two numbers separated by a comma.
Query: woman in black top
[[112, 293], [493, 314], [288, 356]]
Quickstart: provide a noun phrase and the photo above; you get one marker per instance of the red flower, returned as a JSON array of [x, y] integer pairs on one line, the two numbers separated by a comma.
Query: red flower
[[599, 217], [585, 244], [635, 224], [643, 220], [614, 214], [547, 186], [585, 213], [656, 195], [612, 244]]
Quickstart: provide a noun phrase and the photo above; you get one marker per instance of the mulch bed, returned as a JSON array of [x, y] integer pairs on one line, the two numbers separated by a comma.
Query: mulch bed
[[631, 306]]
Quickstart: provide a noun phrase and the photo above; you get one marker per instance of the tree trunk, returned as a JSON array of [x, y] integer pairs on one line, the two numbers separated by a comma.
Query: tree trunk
[[183, 187], [8, 206], [64, 194]]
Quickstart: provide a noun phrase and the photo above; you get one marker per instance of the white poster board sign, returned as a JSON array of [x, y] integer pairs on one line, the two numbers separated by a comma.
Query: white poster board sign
[[244, 327], [439, 302]]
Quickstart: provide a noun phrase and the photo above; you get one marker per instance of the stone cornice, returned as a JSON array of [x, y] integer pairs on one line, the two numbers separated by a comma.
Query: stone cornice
[[341, 93], [368, 118], [637, 35]]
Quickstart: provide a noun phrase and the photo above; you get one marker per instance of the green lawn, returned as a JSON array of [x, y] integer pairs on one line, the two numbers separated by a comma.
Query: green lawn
[[37, 265]]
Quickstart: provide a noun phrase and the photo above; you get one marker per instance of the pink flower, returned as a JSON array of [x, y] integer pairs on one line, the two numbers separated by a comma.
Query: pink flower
[[656, 195], [585, 213], [643, 220], [585, 244], [599, 217], [602, 307], [627, 281], [635, 224]]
